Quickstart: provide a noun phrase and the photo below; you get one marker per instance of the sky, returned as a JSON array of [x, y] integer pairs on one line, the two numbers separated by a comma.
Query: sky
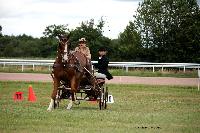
[[31, 17]]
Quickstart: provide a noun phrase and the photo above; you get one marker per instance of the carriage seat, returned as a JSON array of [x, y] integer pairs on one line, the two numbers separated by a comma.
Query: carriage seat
[[99, 75], [100, 78]]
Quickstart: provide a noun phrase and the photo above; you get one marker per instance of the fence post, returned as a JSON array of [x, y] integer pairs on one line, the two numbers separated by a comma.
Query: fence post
[[153, 68], [198, 78], [184, 69], [126, 68], [162, 68], [22, 67], [4, 65], [33, 67]]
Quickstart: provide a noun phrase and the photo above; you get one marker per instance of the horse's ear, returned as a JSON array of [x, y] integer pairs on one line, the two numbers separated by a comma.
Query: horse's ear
[[60, 36]]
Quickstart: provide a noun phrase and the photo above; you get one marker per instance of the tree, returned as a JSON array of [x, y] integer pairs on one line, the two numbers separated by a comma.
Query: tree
[[0, 30], [88, 29], [93, 34], [169, 29], [46, 46], [25, 46], [53, 31], [129, 43], [48, 43]]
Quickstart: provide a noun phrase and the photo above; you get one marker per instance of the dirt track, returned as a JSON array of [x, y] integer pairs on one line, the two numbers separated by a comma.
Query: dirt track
[[116, 80]]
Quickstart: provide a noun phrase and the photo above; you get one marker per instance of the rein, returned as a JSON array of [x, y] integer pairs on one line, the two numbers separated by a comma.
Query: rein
[[76, 64], [67, 64]]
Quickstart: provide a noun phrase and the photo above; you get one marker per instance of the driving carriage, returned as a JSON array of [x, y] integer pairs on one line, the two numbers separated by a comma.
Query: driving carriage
[[86, 91], [71, 76]]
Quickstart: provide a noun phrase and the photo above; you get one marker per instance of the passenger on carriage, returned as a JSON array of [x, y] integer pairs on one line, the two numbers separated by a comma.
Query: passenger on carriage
[[102, 65]]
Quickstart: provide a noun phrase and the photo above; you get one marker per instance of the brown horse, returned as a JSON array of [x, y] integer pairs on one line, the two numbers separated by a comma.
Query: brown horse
[[68, 67]]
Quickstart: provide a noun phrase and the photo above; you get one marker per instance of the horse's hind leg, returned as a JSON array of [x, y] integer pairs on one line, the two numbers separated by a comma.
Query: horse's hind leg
[[72, 99], [53, 95]]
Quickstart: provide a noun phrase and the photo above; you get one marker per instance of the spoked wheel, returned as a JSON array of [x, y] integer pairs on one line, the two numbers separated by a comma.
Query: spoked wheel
[[106, 97], [103, 98]]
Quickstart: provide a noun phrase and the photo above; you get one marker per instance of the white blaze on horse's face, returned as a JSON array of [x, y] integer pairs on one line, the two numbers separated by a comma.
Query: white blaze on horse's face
[[65, 52]]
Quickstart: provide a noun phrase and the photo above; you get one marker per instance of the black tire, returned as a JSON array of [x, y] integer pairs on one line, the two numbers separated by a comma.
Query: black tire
[[103, 98], [106, 98]]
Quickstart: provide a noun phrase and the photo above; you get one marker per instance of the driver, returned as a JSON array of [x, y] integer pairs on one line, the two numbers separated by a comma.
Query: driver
[[86, 51], [83, 48]]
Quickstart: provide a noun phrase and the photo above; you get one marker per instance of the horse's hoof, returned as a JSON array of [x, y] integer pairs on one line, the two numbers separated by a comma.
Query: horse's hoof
[[68, 108], [49, 110], [77, 102]]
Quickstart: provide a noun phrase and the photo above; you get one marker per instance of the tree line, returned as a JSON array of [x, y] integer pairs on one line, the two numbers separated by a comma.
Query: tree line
[[160, 31]]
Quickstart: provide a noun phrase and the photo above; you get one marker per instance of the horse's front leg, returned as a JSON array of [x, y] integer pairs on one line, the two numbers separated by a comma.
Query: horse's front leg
[[53, 95]]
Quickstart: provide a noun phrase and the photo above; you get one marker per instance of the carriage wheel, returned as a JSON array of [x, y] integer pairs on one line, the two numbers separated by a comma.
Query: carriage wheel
[[103, 98], [106, 97], [100, 107]]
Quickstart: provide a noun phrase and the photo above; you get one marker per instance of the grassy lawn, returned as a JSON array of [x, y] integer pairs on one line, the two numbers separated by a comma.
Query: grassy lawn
[[137, 108]]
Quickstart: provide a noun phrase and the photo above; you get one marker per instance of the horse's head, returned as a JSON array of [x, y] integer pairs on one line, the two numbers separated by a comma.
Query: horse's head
[[63, 46]]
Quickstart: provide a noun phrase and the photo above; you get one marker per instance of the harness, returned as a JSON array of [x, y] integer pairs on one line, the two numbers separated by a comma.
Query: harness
[[66, 64]]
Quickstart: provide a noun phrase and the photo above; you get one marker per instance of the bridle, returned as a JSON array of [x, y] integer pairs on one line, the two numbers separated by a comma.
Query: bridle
[[69, 60], [62, 52], [65, 52]]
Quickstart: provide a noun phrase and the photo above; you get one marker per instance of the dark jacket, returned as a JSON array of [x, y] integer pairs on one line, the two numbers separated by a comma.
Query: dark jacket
[[102, 67]]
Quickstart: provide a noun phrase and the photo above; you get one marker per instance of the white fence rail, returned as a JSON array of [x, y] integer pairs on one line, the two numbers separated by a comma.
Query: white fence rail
[[125, 65]]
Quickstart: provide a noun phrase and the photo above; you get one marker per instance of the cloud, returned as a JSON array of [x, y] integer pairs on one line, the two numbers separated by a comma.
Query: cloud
[[129, 0], [32, 16]]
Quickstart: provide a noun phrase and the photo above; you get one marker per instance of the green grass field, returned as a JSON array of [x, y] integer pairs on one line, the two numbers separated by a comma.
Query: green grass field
[[137, 108]]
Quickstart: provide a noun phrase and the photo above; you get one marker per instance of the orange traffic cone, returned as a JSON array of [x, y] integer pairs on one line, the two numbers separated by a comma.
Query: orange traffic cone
[[31, 94]]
